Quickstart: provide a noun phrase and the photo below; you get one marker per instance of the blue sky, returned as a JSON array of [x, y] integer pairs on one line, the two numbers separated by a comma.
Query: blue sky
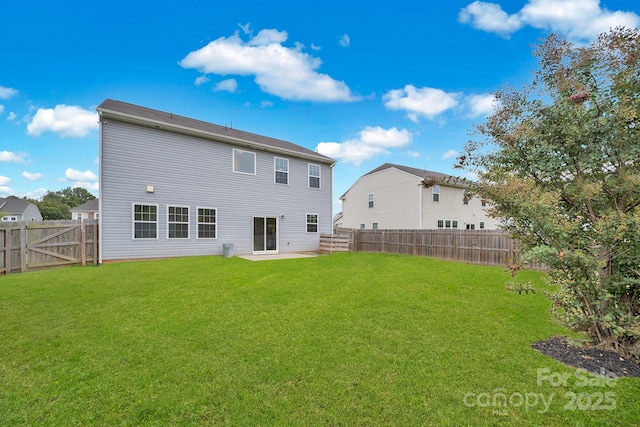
[[363, 82]]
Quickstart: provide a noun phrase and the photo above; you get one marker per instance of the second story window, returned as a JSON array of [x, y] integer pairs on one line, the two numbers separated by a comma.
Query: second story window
[[282, 170], [370, 200], [314, 176], [244, 162], [435, 191]]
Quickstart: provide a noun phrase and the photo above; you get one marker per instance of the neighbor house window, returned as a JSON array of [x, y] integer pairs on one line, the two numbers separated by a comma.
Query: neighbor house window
[[481, 224], [484, 203], [471, 226], [375, 225], [465, 197], [441, 223], [282, 170], [361, 226], [145, 221], [244, 162], [447, 223], [370, 200], [206, 223], [312, 223], [314, 176], [177, 222], [435, 190], [454, 223], [79, 216]]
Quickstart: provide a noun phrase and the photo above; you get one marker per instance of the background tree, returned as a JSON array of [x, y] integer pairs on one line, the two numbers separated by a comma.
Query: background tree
[[57, 205], [560, 161]]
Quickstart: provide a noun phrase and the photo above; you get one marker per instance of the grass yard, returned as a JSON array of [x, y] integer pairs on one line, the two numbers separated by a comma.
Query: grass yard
[[347, 339]]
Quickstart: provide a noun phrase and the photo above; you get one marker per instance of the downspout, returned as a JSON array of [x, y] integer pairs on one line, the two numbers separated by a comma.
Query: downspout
[[100, 235], [420, 207]]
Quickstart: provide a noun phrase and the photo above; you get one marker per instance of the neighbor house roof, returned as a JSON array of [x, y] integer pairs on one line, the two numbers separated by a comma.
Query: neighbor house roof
[[91, 205], [172, 122], [420, 173], [14, 206]]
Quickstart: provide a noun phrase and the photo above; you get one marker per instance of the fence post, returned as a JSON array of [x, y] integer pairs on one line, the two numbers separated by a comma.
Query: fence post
[[23, 248], [7, 250], [83, 243]]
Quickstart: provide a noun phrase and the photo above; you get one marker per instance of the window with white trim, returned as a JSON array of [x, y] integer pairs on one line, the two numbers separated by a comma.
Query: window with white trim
[[177, 222], [281, 167], [465, 197], [441, 223], [435, 191], [370, 200], [207, 223], [312, 223], [481, 225], [375, 225], [314, 176], [361, 226], [244, 162], [145, 221]]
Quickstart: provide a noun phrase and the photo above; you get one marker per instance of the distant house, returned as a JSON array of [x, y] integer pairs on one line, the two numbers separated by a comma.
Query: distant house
[[88, 210], [391, 197], [18, 210], [174, 186]]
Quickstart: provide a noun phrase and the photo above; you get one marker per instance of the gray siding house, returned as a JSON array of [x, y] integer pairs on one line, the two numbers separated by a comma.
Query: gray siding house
[[18, 210], [174, 186], [88, 210]]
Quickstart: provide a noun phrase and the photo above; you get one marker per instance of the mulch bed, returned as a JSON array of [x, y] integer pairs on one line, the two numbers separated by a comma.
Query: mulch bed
[[591, 359]]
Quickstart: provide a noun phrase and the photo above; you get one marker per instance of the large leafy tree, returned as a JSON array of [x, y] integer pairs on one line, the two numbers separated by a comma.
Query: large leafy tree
[[57, 205], [560, 161]]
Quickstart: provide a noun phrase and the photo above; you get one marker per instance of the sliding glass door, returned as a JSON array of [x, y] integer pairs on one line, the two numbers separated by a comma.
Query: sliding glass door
[[265, 234]]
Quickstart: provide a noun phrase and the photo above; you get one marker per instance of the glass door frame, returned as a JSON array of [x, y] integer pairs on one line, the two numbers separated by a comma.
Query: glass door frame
[[269, 232]]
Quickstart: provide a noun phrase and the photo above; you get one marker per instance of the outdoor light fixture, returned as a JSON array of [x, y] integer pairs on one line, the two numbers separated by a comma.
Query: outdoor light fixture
[[149, 188]]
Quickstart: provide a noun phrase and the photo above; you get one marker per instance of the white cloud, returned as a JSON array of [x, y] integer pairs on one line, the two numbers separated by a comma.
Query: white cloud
[[11, 116], [266, 104], [228, 85], [8, 156], [31, 176], [4, 180], [426, 102], [1, 108], [201, 80], [371, 141], [285, 72], [66, 120], [579, 20], [449, 154], [344, 40], [76, 175], [7, 92], [5, 190], [481, 105], [86, 185]]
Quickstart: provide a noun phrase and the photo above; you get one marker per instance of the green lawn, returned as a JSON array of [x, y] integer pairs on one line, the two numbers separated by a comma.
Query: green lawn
[[346, 339]]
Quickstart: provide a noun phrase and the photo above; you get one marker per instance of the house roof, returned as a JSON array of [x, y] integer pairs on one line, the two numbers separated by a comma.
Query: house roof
[[131, 113], [14, 206], [420, 173], [91, 205]]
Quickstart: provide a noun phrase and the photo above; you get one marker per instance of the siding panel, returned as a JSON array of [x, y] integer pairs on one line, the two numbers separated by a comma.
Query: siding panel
[[194, 172]]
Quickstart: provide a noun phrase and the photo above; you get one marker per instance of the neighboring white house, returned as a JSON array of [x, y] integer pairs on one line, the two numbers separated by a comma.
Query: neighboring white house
[[174, 186], [88, 210], [18, 210], [392, 197]]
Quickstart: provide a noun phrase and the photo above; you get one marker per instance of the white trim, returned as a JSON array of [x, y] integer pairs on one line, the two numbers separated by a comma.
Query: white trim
[[276, 170], [309, 176], [233, 161], [307, 223], [179, 222], [215, 223], [133, 221]]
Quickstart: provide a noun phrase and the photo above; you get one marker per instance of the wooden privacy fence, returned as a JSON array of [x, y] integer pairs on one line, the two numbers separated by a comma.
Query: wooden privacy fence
[[33, 245], [486, 247]]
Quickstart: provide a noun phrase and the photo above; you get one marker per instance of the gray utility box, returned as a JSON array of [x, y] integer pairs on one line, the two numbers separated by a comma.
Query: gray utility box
[[227, 250]]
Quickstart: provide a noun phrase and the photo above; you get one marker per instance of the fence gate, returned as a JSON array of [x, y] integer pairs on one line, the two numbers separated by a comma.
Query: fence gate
[[30, 245]]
